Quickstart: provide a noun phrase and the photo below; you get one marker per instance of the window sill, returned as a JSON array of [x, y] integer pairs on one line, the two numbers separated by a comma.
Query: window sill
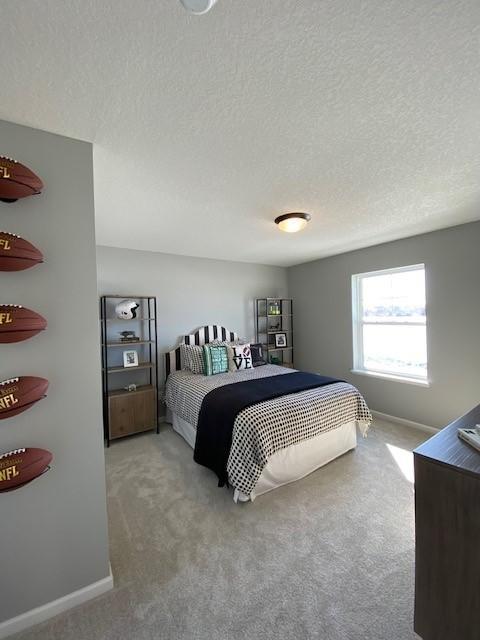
[[392, 377]]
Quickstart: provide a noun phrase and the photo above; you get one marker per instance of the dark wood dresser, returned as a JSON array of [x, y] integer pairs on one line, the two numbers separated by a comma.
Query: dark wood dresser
[[447, 530]]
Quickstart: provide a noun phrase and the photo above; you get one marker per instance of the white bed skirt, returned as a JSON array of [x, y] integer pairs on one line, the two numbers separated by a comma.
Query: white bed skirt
[[291, 463]]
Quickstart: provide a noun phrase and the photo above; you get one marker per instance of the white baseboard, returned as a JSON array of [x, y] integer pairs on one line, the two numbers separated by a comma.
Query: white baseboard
[[46, 611], [404, 422]]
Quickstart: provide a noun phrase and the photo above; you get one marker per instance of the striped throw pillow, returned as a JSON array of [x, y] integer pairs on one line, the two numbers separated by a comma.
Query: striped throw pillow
[[215, 359]]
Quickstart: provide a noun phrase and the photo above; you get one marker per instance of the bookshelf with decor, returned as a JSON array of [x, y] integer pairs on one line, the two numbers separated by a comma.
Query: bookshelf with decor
[[129, 365], [274, 329]]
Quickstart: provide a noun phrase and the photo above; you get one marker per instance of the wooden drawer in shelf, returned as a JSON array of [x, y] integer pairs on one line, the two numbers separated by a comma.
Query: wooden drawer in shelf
[[131, 412]]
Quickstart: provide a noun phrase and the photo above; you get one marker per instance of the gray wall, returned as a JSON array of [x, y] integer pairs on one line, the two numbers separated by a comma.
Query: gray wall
[[323, 321], [191, 292], [54, 531]]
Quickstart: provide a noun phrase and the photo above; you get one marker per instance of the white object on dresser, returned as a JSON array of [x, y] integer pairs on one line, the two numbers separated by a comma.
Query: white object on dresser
[[472, 436]]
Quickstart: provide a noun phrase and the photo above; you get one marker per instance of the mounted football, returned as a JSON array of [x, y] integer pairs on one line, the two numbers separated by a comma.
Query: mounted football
[[17, 254], [18, 323], [21, 466], [17, 181], [19, 394]]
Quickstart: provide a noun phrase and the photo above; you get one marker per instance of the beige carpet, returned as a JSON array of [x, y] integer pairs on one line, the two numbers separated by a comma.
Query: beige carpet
[[329, 557]]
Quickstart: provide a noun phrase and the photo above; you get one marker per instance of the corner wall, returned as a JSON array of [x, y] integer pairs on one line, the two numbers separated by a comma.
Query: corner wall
[[323, 322], [54, 530]]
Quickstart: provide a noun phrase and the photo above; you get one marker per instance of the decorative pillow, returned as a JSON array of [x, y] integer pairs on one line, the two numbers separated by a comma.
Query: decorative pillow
[[239, 357], [215, 359], [257, 355], [192, 357]]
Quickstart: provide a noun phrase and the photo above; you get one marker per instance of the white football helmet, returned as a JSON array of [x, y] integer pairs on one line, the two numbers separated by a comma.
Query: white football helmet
[[198, 7], [127, 309]]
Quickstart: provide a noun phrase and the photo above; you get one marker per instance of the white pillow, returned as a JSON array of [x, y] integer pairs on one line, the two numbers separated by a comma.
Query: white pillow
[[239, 357]]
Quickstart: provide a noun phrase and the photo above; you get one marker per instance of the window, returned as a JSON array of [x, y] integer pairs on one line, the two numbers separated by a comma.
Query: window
[[389, 323]]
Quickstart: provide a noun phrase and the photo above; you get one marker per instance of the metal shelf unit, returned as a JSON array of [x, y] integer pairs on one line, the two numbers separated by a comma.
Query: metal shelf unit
[[129, 412], [274, 316]]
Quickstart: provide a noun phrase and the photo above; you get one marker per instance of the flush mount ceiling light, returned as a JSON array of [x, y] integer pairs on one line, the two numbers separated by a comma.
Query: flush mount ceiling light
[[293, 222], [198, 7]]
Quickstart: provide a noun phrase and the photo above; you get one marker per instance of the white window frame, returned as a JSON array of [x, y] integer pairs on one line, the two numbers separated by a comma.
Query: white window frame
[[358, 323]]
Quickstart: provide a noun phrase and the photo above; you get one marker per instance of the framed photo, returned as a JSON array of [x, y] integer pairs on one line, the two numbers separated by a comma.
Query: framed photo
[[280, 339], [130, 359]]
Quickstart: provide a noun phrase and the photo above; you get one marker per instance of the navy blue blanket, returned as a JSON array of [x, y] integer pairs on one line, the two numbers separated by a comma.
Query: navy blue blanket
[[221, 406]]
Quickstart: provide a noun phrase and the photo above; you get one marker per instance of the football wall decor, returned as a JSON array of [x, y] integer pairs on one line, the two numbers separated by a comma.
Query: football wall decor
[[18, 323], [17, 181], [21, 466], [17, 254], [19, 394]]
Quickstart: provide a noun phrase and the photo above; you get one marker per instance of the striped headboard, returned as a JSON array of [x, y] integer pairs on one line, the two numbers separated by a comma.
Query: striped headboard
[[201, 336]]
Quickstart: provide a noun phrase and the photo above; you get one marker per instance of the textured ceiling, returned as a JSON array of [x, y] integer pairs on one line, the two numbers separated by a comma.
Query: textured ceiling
[[364, 113]]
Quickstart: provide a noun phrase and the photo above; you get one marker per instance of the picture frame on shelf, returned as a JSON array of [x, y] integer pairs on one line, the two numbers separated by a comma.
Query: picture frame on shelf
[[130, 358], [280, 340]]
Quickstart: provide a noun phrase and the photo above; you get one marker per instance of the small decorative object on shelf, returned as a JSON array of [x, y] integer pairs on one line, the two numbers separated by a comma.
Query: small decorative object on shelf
[[274, 308], [132, 408], [126, 309], [130, 359], [274, 329], [128, 336]]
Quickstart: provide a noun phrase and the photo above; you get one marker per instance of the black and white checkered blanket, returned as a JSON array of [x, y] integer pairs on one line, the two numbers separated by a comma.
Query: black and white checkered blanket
[[263, 429]]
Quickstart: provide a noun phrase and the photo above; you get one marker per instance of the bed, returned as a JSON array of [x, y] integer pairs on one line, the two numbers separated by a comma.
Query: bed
[[273, 442]]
